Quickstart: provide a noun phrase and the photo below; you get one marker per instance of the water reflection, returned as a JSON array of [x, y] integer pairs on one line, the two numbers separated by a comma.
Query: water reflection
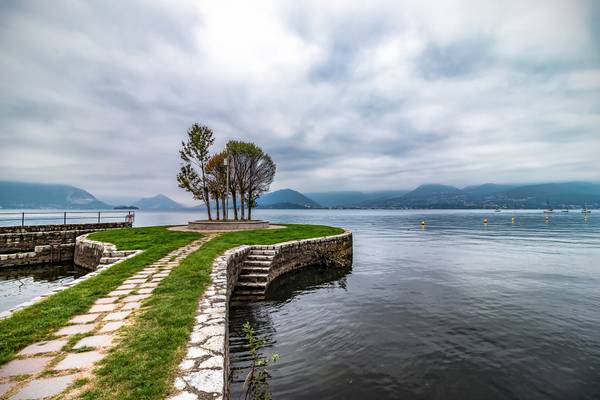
[[260, 314], [18, 285]]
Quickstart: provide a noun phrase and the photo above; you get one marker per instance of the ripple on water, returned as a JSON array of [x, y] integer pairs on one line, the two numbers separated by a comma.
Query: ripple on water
[[457, 310]]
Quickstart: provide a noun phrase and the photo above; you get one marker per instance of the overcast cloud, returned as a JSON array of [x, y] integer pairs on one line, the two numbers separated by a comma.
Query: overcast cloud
[[344, 95]]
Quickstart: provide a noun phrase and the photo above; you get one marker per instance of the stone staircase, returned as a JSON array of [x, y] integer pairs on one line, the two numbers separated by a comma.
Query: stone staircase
[[110, 256], [252, 281]]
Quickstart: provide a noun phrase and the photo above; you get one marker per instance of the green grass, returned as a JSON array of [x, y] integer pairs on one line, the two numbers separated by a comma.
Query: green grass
[[144, 364], [40, 320]]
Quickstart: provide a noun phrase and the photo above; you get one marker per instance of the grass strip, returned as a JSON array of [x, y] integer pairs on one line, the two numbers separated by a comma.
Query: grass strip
[[40, 320], [145, 362]]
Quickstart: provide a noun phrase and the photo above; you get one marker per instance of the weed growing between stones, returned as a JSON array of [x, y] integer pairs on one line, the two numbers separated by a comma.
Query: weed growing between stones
[[257, 381]]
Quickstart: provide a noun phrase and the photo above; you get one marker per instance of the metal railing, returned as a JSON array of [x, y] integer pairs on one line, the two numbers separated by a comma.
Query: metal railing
[[63, 217]]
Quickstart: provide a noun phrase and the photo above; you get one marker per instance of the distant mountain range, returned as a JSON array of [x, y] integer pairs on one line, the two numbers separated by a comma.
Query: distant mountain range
[[286, 199], [17, 195], [158, 202], [38, 195]]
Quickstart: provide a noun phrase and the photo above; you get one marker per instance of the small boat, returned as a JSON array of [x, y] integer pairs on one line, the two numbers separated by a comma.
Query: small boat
[[585, 210], [497, 210], [549, 210], [565, 211]]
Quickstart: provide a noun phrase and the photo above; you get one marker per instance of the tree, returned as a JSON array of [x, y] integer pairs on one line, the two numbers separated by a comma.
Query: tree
[[262, 172], [239, 155], [217, 179], [195, 154]]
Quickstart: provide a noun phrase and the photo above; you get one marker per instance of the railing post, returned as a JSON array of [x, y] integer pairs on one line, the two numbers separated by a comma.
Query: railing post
[[98, 216], [22, 219], [65, 218]]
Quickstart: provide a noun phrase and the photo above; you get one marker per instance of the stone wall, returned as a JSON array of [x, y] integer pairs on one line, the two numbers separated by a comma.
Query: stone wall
[[91, 254], [41, 244], [40, 255], [204, 372], [14, 239], [331, 251], [64, 227]]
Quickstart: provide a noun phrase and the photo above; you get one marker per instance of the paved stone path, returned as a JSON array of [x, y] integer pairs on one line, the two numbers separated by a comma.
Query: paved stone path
[[202, 373], [46, 369]]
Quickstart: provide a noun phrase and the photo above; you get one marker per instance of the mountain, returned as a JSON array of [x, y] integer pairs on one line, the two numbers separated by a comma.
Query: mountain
[[158, 202], [351, 199], [286, 198], [558, 195], [49, 196]]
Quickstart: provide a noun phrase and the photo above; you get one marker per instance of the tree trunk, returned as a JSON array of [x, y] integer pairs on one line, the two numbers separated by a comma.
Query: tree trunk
[[207, 201], [250, 206], [224, 207], [234, 199], [243, 204], [217, 204]]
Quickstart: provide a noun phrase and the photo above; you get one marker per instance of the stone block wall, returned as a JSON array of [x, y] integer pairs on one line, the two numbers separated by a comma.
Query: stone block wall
[[332, 251], [14, 239], [40, 255], [204, 373], [64, 227]]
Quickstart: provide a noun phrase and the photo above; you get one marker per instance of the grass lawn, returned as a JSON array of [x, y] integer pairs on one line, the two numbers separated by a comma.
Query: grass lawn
[[40, 320], [144, 363]]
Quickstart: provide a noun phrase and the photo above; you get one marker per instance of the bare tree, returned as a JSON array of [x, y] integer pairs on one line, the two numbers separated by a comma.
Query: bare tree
[[195, 153]]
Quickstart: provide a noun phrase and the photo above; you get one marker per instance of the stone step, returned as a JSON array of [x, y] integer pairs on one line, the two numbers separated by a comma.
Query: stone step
[[257, 263], [260, 257], [253, 278], [248, 293], [255, 270], [251, 285], [262, 252], [244, 298]]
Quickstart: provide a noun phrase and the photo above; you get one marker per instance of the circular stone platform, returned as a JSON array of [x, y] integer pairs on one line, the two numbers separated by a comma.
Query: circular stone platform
[[203, 225]]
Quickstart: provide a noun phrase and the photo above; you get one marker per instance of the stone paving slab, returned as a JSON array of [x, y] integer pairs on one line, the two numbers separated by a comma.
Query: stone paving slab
[[100, 308], [111, 326], [117, 316], [79, 360], [94, 341], [106, 300], [43, 388], [5, 387], [120, 292], [43, 347], [83, 319], [27, 366], [134, 305], [76, 329]]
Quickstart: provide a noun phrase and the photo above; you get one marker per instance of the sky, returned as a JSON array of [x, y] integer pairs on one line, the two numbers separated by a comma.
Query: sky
[[344, 95]]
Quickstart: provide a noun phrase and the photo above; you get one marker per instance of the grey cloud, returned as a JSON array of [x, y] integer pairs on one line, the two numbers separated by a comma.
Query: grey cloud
[[100, 94]]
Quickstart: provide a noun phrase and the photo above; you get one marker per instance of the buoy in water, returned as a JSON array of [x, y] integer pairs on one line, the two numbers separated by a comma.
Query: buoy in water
[[485, 220], [513, 220], [423, 223]]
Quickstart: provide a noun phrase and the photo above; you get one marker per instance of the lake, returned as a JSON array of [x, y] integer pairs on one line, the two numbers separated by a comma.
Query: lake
[[458, 310], [455, 310]]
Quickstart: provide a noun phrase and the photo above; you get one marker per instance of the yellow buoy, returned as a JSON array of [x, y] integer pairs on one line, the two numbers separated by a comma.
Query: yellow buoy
[[423, 223], [485, 220], [513, 220]]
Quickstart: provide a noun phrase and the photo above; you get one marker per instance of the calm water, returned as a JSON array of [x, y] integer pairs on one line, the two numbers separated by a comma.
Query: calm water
[[18, 285], [458, 310]]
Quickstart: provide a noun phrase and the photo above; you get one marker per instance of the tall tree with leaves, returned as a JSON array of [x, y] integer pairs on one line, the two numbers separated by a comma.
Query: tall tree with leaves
[[216, 171], [238, 153], [195, 154], [262, 172]]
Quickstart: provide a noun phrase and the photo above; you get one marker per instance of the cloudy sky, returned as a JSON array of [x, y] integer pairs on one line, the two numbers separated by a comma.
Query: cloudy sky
[[343, 94]]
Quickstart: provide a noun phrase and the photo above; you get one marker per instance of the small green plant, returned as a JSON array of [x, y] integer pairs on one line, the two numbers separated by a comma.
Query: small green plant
[[257, 381]]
